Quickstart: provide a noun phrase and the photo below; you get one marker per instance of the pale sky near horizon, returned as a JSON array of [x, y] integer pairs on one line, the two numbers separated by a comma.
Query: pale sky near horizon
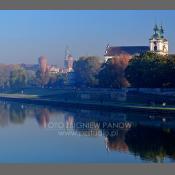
[[27, 34]]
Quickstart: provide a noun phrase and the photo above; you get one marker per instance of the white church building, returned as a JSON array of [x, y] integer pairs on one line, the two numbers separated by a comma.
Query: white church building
[[157, 43]]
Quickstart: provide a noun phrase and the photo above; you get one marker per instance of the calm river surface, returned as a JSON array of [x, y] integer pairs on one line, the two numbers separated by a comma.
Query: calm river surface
[[44, 134]]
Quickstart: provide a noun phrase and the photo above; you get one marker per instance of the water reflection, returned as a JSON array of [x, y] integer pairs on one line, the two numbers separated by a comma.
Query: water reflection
[[42, 116], [149, 137]]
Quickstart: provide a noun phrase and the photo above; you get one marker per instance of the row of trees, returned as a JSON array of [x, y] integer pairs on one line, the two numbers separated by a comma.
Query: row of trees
[[151, 71], [12, 76], [15, 76], [148, 70], [90, 72], [46, 79]]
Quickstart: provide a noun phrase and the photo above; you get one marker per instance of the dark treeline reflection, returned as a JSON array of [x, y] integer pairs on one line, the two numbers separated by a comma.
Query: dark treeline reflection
[[148, 136]]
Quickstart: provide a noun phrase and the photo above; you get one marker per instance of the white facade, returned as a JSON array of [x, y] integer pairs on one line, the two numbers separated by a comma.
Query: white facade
[[158, 43], [159, 46], [54, 69], [108, 57]]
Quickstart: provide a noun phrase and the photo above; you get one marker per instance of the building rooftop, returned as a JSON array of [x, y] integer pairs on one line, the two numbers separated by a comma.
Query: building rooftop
[[131, 50]]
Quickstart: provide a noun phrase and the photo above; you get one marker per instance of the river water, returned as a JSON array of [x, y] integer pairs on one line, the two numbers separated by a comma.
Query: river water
[[45, 134]]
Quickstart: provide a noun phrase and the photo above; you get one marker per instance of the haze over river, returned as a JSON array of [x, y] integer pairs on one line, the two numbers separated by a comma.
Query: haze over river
[[45, 134]]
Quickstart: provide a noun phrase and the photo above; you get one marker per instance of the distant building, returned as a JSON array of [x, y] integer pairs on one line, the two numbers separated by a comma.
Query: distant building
[[113, 51], [53, 69], [158, 44], [68, 61], [43, 65], [30, 67]]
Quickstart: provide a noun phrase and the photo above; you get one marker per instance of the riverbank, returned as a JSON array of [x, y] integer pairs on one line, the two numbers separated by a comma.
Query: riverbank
[[119, 100]]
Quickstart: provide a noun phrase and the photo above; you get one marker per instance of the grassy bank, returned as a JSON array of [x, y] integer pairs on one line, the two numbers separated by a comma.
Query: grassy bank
[[56, 97]]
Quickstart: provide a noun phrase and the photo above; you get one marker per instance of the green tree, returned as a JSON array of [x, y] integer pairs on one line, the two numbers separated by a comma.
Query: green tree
[[148, 70], [31, 78], [57, 80], [4, 75], [61, 79], [86, 70], [42, 78], [170, 71], [18, 77]]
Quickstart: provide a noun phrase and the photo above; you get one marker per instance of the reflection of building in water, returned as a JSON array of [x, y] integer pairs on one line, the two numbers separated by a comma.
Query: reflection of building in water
[[153, 141], [42, 117], [149, 143], [82, 126], [117, 142], [87, 128], [106, 144], [69, 121]]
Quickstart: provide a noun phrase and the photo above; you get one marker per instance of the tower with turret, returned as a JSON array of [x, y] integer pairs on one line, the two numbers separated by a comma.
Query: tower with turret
[[158, 43], [68, 61], [42, 60]]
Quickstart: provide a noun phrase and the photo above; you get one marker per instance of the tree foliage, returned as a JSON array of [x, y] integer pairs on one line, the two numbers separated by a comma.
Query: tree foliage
[[18, 77], [86, 70], [112, 73], [4, 75], [151, 70], [57, 80], [42, 78]]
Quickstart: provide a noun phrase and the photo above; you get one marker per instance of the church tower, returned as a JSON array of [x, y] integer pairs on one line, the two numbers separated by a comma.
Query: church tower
[[158, 43], [68, 61]]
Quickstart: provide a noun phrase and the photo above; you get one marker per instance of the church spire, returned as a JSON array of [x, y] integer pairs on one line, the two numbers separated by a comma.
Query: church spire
[[158, 32], [67, 52], [156, 29], [161, 31], [68, 61]]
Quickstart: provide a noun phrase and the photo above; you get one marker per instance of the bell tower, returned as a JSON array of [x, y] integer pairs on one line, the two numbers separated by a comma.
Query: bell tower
[[158, 43], [69, 60]]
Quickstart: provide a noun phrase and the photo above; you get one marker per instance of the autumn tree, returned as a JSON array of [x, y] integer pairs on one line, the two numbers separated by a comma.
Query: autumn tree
[[112, 73]]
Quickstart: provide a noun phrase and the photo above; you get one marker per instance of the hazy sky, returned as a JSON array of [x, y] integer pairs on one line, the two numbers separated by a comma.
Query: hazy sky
[[25, 35]]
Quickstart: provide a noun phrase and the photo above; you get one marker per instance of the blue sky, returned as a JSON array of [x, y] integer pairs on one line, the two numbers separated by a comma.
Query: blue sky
[[27, 34]]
